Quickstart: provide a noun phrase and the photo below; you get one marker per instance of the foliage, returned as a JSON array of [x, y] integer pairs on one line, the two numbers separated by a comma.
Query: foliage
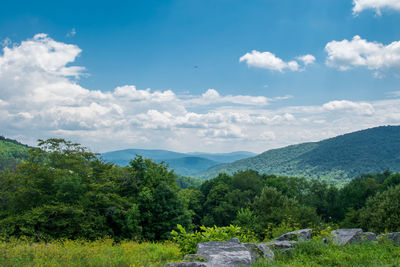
[[382, 212], [11, 153], [187, 241], [103, 252], [316, 253], [185, 182], [64, 191]]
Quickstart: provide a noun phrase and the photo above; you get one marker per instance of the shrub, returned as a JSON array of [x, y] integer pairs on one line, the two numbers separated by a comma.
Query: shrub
[[187, 242]]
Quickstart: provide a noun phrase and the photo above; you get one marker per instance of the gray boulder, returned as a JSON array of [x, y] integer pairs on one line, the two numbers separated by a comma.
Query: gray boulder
[[346, 236], [259, 250], [299, 235], [230, 253], [281, 246], [224, 254], [368, 236]]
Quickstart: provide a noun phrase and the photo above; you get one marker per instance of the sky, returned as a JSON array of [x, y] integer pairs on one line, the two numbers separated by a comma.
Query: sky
[[197, 75]]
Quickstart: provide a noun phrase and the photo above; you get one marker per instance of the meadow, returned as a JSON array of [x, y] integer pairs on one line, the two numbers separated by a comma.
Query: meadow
[[106, 252]]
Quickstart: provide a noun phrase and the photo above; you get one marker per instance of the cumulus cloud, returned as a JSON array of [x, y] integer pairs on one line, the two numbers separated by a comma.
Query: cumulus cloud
[[359, 52], [361, 108], [270, 61], [40, 97], [307, 59], [377, 5]]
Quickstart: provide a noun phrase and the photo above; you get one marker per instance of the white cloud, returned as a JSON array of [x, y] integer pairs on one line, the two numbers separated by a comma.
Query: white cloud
[[268, 60], [378, 5], [39, 99], [358, 52], [361, 108], [307, 59]]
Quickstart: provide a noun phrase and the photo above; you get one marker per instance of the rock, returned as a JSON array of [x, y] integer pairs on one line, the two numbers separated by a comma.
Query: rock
[[281, 246], [259, 250], [346, 236], [299, 235], [368, 236], [233, 240], [224, 254], [186, 264], [395, 237]]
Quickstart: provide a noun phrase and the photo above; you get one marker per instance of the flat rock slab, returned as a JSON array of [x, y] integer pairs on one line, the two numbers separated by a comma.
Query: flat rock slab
[[224, 254], [299, 235], [346, 236]]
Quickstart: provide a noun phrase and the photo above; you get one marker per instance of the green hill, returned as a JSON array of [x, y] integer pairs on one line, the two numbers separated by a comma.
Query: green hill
[[11, 152], [336, 159], [190, 165]]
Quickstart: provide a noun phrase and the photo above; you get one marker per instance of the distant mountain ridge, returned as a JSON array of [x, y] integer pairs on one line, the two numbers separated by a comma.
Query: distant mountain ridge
[[336, 159], [189, 164]]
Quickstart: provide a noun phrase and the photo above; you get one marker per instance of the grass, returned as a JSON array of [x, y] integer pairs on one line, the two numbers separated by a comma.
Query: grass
[[87, 253], [106, 252], [315, 253]]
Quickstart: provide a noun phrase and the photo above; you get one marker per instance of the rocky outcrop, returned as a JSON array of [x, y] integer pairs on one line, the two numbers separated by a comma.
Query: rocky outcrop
[[233, 253], [299, 235], [229, 253], [346, 236]]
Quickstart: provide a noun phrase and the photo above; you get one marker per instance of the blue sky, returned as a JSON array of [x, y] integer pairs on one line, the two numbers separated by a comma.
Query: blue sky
[[205, 75]]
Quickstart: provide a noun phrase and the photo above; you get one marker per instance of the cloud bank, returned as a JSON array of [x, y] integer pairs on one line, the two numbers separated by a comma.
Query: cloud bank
[[40, 97]]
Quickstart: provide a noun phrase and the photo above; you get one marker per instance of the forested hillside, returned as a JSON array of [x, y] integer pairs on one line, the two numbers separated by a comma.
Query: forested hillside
[[337, 159], [64, 191], [11, 152]]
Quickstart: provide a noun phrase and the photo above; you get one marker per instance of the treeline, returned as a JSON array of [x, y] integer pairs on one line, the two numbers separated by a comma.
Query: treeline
[[64, 191], [11, 153], [258, 202]]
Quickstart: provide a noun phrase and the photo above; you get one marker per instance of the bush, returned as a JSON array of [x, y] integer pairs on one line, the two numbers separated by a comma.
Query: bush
[[187, 242]]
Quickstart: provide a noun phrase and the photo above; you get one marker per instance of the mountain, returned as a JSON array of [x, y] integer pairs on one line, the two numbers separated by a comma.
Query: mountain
[[11, 152], [189, 164], [336, 159], [122, 157], [225, 157]]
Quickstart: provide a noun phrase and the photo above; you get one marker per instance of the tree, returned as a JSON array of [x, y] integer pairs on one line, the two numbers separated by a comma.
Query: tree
[[382, 212]]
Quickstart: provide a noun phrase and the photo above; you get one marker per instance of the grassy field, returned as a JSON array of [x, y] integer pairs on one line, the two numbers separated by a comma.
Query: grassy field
[[315, 253], [87, 253], [128, 253]]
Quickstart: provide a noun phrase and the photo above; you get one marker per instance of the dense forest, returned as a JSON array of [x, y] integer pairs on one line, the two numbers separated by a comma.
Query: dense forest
[[61, 190], [11, 153], [336, 160]]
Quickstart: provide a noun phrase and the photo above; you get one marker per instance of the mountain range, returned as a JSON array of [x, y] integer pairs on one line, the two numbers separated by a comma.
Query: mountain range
[[188, 164], [336, 159]]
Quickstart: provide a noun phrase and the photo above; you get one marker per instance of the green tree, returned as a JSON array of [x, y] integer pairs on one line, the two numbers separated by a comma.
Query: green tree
[[382, 212]]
